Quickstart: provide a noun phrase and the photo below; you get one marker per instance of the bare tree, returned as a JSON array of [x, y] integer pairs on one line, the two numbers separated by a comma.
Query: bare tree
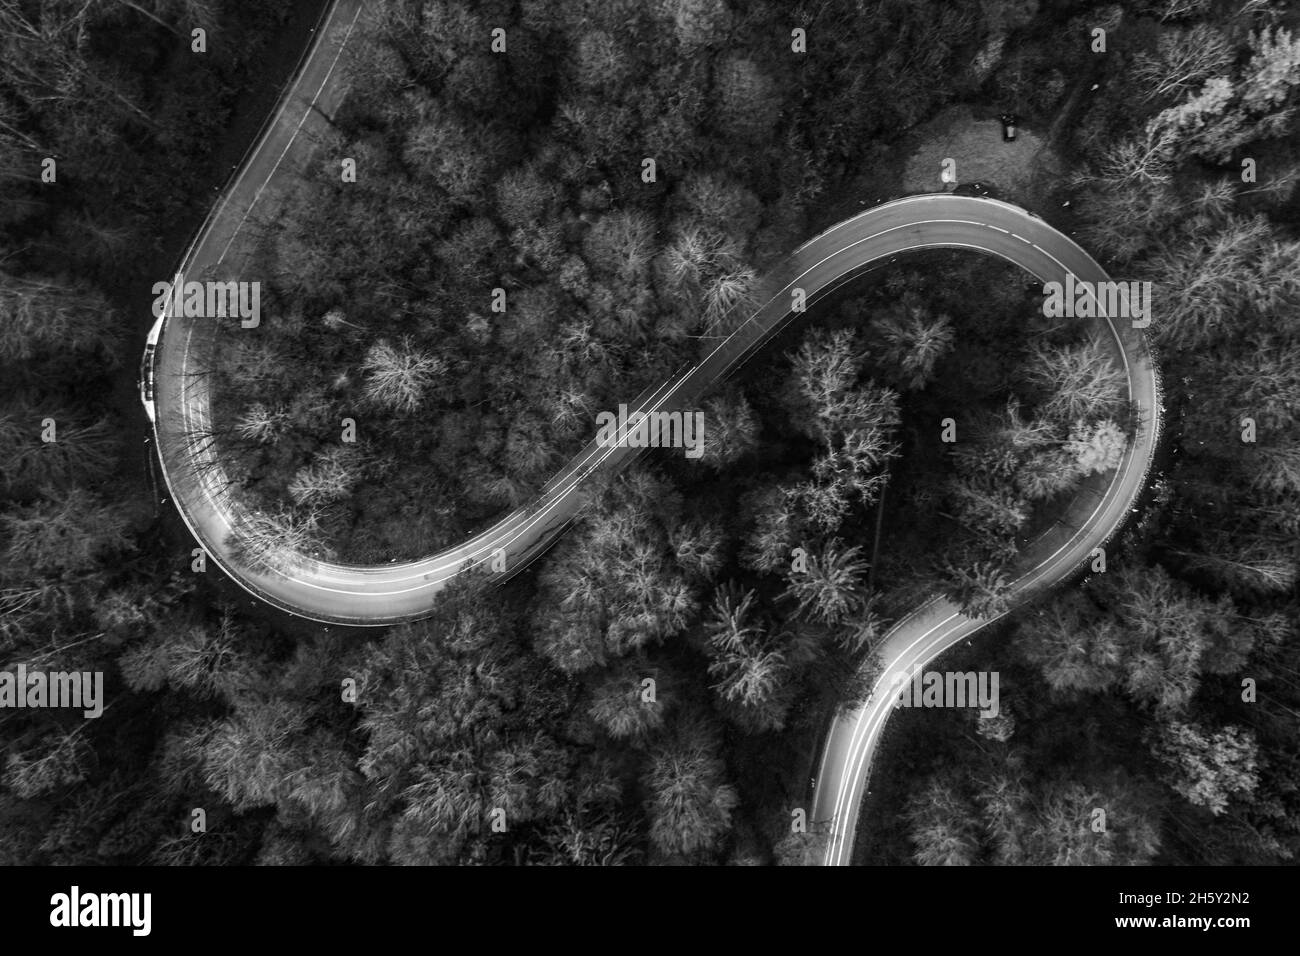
[[1279, 469], [274, 541], [1080, 381], [915, 341], [731, 297], [1183, 58], [331, 476], [621, 243], [261, 423], [831, 589], [399, 377], [982, 590]]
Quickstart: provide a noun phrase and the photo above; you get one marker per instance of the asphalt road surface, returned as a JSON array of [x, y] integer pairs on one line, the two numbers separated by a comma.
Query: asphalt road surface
[[386, 594]]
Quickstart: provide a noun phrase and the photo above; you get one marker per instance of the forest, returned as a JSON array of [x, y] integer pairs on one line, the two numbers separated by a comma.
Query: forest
[[652, 690]]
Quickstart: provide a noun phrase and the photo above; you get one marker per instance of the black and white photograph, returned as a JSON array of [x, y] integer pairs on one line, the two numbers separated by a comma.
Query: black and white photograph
[[650, 433]]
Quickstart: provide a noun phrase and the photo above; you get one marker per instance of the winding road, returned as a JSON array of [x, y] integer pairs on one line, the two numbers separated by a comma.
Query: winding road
[[178, 403]]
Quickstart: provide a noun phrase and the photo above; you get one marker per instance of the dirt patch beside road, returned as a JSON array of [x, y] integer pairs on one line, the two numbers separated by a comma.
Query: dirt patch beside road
[[1022, 171]]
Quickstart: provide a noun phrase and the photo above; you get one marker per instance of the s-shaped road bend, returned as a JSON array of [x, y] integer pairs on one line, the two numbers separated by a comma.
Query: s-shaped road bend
[[179, 405]]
